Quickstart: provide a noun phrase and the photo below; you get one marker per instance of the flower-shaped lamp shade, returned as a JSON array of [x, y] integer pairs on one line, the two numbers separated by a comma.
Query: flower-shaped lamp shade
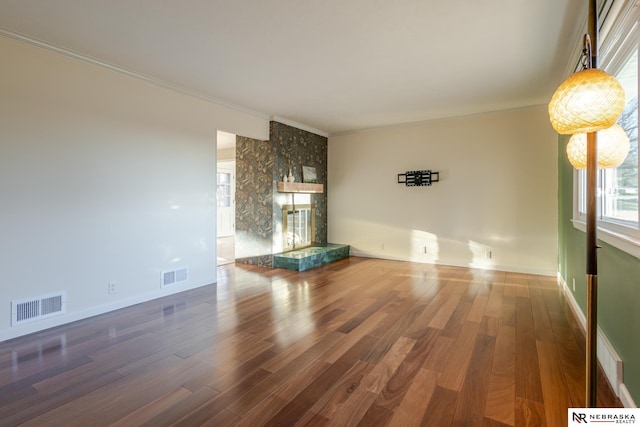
[[613, 147], [588, 101]]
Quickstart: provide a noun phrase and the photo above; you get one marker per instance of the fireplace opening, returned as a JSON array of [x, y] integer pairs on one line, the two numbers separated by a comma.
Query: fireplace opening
[[298, 226]]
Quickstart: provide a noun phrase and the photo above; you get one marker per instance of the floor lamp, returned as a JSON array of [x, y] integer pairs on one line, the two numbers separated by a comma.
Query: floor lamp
[[587, 103]]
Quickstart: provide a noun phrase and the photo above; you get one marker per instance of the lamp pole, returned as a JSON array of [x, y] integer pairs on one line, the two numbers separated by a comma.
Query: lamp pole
[[605, 99], [592, 240]]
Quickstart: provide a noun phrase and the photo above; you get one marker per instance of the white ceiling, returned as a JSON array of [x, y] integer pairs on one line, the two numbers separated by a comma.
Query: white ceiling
[[334, 65]]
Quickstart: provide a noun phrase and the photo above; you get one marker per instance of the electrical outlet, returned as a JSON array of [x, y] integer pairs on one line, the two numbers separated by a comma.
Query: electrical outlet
[[382, 246], [574, 283], [423, 249], [112, 287], [488, 254]]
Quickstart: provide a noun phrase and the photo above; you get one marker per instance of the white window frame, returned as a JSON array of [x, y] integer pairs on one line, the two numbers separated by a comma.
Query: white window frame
[[620, 26]]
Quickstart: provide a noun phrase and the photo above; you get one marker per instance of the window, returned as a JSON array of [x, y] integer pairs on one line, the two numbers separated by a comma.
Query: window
[[617, 195], [223, 194], [620, 186]]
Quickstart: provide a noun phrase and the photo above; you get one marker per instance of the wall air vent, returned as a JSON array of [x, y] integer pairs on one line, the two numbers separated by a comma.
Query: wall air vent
[[173, 277], [42, 307]]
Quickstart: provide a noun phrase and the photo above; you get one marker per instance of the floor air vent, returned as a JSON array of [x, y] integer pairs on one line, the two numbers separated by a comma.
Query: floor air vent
[[174, 276], [42, 307]]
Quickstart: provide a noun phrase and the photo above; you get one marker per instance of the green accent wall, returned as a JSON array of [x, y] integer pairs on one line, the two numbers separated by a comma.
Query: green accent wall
[[618, 279]]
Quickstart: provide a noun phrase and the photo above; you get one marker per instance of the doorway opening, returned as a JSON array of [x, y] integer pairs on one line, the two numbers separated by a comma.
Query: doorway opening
[[225, 198]]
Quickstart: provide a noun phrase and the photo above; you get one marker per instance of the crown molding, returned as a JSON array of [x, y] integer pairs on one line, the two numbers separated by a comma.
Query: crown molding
[[299, 126], [99, 63]]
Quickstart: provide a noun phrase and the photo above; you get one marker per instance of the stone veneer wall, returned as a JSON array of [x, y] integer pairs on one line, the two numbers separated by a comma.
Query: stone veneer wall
[[260, 165], [254, 201], [295, 148]]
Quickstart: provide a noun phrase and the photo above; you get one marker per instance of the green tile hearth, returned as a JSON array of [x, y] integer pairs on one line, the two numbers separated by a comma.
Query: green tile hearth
[[311, 257]]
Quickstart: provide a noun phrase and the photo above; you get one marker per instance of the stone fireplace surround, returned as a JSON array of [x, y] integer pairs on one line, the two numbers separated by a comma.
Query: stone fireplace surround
[[260, 166]]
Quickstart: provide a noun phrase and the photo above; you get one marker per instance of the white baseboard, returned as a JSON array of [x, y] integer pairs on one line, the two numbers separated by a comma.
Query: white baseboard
[[422, 260], [609, 359], [625, 397], [52, 322]]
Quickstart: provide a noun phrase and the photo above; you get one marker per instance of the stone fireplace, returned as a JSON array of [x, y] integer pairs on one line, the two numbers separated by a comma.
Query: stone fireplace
[[262, 208], [283, 224]]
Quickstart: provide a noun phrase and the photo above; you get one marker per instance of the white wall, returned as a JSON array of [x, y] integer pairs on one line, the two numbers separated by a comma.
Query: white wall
[[497, 192], [103, 177]]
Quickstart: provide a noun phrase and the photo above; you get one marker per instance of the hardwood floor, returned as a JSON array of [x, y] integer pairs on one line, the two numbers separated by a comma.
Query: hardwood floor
[[361, 342]]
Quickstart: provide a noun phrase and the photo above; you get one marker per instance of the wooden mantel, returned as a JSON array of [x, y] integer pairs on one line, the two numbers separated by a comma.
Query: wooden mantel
[[300, 187]]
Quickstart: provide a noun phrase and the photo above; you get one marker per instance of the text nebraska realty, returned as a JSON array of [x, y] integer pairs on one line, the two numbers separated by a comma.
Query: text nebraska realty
[[604, 418]]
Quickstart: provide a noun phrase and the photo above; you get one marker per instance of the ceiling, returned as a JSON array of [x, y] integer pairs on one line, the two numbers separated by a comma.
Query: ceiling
[[333, 65]]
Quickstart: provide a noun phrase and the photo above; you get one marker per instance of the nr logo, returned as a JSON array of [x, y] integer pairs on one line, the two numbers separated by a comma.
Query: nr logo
[[580, 418]]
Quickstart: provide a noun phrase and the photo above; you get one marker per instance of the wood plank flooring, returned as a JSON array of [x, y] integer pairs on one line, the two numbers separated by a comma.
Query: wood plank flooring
[[360, 342]]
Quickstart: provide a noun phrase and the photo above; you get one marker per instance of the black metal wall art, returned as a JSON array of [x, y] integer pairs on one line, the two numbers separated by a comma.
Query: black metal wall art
[[418, 178]]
